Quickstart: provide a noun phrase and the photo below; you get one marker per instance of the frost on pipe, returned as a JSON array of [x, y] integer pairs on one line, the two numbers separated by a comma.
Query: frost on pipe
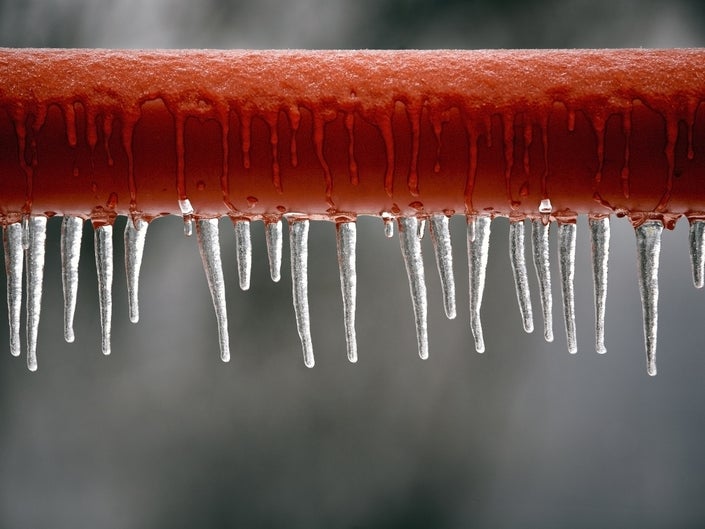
[[406, 136]]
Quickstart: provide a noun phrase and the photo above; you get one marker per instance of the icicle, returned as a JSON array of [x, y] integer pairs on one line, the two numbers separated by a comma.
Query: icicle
[[71, 234], [440, 236], [209, 247], [298, 245], [34, 256], [346, 241], [187, 213], [422, 228], [104, 266], [411, 251], [600, 235], [243, 249], [521, 280], [135, 235], [648, 247], [540, 239], [273, 235], [14, 261], [566, 266], [388, 227], [697, 251], [478, 252]]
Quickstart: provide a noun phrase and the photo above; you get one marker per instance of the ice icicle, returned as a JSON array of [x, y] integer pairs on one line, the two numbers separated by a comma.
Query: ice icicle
[[273, 236], [540, 240], [697, 251], [104, 266], [440, 236], [346, 242], [71, 234], [298, 245], [34, 256], [209, 247], [187, 213], [478, 237], [566, 266], [413, 260], [521, 280], [14, 261], [600, 238], [648, 247], [243, 249], [135, 235], [388, 227]]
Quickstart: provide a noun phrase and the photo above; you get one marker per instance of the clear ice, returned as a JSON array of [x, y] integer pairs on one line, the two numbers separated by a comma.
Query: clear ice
[[600, 243], [71, 235], [346, 239], [209, 247], [566, 267], [542, 263], [273, 236], [135, 235], [36, 238], [243, 250], [298, 245], [478, 237], [413, 260], [14, 262], [440, 236], [187, 213], [104, 266], [521, 279], [696, 241], [648, 248]]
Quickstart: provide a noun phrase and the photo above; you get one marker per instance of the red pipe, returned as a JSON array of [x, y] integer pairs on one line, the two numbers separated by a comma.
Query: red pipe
[[332, 134]]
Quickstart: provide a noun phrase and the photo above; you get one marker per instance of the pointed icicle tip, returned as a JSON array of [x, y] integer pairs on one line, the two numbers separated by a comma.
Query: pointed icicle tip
[[521, 279], [71, 235], [478, 243], [209, 247], [648, 245], [298, 241], [413, 260], [346, 243], [135, 236], [440, 236]]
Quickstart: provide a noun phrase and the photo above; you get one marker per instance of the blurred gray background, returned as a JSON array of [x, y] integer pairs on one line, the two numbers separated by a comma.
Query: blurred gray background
[[162, 434]]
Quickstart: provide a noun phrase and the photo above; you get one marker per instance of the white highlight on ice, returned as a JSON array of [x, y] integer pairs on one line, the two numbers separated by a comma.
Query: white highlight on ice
[[422, 228], [34, 256], [545, 206], [521, 280], [104, 266], [440, 236], [413, 260], [243, 251], [209, 248], [696, 239], [273, 236], [346, 239], [298, 246], [187, 213], [600, 242], [478, 237], [14, 262], [542, 265], [566, 267], [648, 247], [71, 235], [135, 235]]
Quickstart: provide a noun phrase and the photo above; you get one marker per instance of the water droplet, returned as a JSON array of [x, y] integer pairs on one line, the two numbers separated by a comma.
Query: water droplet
[[243, 250], [540, 239], [135, 235], [440, 237], [545, 206], [648, 246], [566, 267], [346, 238], [521, 280], [209, 247], [71, 235], [104, 267], [34, 256], [600, 239], [14, 262], [411, 251], [298, 241], [478, 239]]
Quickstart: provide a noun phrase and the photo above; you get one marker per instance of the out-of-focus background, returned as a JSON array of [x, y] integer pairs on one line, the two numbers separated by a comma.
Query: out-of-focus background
[[162, 434]]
